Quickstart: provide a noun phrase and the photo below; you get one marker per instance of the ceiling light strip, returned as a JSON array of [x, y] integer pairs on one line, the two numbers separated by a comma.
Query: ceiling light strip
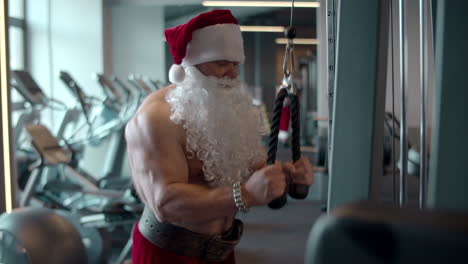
[[262, 28], [298, 41], [261, 4]]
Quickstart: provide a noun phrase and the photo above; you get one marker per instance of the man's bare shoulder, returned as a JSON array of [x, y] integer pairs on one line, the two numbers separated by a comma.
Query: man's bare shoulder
[[153, 117], [155, 104]]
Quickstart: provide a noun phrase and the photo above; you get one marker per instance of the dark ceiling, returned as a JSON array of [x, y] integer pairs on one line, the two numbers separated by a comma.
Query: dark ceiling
[[304, 18], [176, 11]]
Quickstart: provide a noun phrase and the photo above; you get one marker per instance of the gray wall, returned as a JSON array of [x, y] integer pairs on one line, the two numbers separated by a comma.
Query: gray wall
[[137, 41], [322, 62], [134, 44], [260, 64]]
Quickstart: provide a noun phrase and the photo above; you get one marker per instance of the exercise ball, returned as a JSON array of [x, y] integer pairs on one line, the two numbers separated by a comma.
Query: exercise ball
[[11, 249], [90, 237], [47, 237]]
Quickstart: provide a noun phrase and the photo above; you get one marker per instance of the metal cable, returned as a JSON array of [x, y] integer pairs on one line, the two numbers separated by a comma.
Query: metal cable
[[295, 125], [297, 191], [422, 57], [292, 12], [393, 106], [403, 143]]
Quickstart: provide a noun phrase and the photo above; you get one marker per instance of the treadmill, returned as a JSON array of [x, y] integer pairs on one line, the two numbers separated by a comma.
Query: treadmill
[[23, 82]]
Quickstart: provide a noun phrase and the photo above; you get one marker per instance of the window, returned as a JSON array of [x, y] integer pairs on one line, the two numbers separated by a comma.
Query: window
[[16, 46], [16, 32], [16, 8]]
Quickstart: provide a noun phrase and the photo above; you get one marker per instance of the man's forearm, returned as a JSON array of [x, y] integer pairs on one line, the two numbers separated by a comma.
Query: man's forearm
[[184, 203]]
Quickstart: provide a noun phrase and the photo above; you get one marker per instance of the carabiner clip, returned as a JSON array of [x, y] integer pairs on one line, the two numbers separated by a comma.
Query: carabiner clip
[[287, 82]]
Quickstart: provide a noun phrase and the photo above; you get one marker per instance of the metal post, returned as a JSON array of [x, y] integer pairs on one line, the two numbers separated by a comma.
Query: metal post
[[331, 42], [423, 81], [448, 181], [403, 79], [30, 189], [359, 101], [433, 10], [7, 168]]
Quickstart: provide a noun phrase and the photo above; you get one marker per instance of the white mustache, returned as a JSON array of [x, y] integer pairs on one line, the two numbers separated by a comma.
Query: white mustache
[[224, 83]]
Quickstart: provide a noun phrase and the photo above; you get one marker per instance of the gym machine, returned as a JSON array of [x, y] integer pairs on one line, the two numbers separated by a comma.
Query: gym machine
[[117, 146], [37, 101], [120, 95], [113, 117], [82, 202], [370, 232], [138, 83], [102, 116], [135, 92], [34, 101]]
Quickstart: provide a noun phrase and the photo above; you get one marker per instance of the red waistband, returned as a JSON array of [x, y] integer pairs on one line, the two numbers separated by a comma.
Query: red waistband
[[144, 252]]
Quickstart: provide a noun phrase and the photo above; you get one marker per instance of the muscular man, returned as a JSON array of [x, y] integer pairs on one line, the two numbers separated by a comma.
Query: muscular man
[[195, 150]]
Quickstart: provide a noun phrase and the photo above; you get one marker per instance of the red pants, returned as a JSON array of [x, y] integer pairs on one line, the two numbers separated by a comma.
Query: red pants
[[145, 252]]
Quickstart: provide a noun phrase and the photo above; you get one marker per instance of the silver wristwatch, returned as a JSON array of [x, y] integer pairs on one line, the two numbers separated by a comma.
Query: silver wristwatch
[[236, 190]]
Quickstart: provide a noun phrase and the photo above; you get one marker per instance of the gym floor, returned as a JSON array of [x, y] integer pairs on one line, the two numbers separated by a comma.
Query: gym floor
[[280, 236], [277, 236]]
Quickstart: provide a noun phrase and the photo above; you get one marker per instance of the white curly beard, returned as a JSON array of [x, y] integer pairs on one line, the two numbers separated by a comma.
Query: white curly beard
[[223, 127]]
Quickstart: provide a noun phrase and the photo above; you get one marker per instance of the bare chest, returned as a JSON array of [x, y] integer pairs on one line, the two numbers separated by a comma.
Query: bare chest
[[195, 167]]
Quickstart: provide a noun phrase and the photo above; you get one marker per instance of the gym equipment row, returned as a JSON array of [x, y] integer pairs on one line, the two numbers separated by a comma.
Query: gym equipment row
[[359, 226], [58, 198]]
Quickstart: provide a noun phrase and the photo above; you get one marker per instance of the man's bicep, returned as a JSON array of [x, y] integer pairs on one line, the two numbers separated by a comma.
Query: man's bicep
[[168, 162], [157, 159]]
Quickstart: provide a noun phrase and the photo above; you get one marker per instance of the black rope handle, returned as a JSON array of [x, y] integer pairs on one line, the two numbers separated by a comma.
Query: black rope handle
[[273, 142], [297, 191]]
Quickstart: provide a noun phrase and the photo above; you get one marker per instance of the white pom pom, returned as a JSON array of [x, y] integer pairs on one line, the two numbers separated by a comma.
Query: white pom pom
[[176, 73], [283, 136]]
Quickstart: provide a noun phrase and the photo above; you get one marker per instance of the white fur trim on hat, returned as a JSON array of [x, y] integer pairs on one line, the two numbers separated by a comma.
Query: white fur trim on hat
[[217, 42], [176, 73]]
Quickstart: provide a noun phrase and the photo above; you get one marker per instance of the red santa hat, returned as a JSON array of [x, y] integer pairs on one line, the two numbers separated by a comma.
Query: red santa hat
[[211, 36]]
